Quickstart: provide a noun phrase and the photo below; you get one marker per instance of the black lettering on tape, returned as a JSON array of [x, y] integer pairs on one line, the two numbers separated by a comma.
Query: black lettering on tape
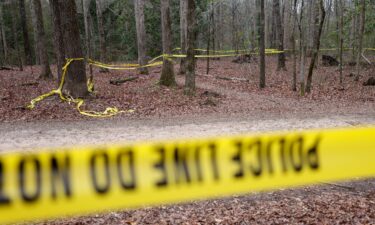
[[256, 170], [197, 162], [161, 165], [103, 187], [125, 165], [237, 158], [181, 165], [296, 153], [60, 170], [283, 154], [215, 168], [33, 196], [312, 155], [269, 162], [4, 199]]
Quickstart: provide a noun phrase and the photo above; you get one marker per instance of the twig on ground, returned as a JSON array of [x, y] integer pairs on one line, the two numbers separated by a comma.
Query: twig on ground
[[121, 81]]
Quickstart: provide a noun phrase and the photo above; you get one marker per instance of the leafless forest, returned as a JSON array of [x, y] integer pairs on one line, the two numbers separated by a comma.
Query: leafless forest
[[139, 61]]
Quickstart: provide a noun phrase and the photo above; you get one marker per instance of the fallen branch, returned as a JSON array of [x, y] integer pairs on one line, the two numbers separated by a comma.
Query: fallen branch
[[121, 81], [368, 61], [231, 78], [30, 84], [5, 68]]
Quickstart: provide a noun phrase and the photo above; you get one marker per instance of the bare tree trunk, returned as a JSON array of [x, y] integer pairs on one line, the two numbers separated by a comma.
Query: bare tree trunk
[[191, 39], [340, 23], [302, 47], [15, 37], [262, 66], [209, 36], [26, 41], [167, 77], [34, 22], [354, 31], [318, 32], [103, 48], [293, 44], [41, 41], [3, 37], [141, 34], [183, 34], [280, 35], [360, 37], [86, 18], [58, 38], [75, 84]]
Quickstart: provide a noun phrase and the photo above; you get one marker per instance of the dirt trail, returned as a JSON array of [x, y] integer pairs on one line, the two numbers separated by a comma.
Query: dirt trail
[[26, 136]]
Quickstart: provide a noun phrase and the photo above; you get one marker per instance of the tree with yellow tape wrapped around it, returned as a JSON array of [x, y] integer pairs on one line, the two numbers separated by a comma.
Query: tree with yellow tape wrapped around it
[[75, 81]]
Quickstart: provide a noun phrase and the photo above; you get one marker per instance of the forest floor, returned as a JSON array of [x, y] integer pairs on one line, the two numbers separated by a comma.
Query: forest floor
[[220, 107]]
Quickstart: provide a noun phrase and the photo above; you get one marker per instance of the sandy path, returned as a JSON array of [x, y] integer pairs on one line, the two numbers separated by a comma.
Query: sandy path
[[52, 134]]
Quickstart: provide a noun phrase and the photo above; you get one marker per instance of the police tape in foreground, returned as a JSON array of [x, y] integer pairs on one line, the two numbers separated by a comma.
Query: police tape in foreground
[[57, 183]]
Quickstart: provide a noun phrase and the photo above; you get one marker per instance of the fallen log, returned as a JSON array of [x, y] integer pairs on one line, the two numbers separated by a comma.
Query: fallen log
[[5, 68], [230, 78], [121, 81]]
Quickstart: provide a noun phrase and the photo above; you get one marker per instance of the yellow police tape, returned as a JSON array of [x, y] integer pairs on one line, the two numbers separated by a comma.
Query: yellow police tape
[[111, 111], [108, 112], [81, 180]]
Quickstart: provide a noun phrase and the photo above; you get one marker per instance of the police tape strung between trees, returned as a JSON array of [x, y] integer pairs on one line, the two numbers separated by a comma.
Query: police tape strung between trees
[[55, 183], [111, 111]]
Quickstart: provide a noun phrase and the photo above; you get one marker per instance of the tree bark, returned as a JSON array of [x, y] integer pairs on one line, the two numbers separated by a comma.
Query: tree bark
[[293, 44], [340, 40], [183, 34], [75, 83], [58, 38], [302, 48], [86, 19], [15, 36], [41, 41], [141, 34], [280, 35], [262, 66], [191, 39], [26, 41], [360, 37], [34, 22], [317, 35], [167, 77], [3, 37], [103, 48]]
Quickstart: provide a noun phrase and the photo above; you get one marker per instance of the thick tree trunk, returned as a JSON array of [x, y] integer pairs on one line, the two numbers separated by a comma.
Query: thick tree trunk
[[360, 37], [191, 39], [58, 38], [318, 31], [75, 84], [167, 77], [280, 35], [262, 66], [3, 37], [183, 34], [103, 48], [41, 41], [141, 34], [26, 41], [86, 19], [15, 36]]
